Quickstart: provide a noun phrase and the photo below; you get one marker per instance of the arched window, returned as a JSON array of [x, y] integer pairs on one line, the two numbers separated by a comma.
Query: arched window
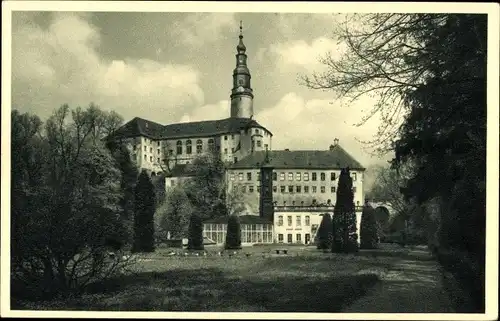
[[189, 148], [179, 147], [211, 145], [199, 146]]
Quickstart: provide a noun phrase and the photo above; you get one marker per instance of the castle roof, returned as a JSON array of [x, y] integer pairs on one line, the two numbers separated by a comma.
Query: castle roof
[[336, 157], [244, 219], [142, 127]]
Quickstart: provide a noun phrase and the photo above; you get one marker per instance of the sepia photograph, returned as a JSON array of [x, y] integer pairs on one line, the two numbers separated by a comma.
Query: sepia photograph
[[315, 160]]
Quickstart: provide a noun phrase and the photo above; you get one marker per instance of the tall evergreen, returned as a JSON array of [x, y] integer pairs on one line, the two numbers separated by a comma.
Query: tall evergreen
[[145, 203], [345, 236], [195, 233], [325, 232], [233, 236], [368, 228]]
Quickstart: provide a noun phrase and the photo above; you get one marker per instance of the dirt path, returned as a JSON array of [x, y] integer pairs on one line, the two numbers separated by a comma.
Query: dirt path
[[412, 285]]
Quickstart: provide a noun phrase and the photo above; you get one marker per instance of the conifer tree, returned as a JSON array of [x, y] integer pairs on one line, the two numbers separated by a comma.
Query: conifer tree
[[368, 228], [144, 214], [195, 234], [233, 236], [345, 237], [325, 232]]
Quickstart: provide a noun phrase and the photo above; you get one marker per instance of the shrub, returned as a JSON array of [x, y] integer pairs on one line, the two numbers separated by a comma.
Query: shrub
[[195, 233], [368, 228], [325, 232], [145, 203], [344, 233], [233, 236]]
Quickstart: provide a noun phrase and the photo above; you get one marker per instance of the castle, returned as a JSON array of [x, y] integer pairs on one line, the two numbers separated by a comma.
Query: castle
[[275, 184]]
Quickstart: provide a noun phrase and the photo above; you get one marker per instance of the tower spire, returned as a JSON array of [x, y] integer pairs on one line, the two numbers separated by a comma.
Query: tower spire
[[242, 93]]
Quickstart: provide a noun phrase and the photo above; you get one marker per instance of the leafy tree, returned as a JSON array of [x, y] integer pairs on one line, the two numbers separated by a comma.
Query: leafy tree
[[368, 228], [195, 234], [172, 217], [65, 202], [325, 232], [144, 214], [345, 237], [207, 188], [233, 236]]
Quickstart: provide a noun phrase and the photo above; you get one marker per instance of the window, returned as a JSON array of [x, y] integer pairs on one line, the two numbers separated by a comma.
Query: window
[[275, 189], [258, 188], [240, 176], [314, 189], [306, 189], [145, 157], [232, 136], [189, 147], [225, 137], [354, 189], [250, 189], [170, 151], [151, 159], [298, 221], [158, 160], [282, 189], [150, 149], [134, 147], [225, 150], [211, 144], [179, 147], [236, 159], [231, 176], [158, 144], [249, 176], [243, 189], [290, 189], [333, 176], [158, 151], [306, 176], [280, 220], [333, 189], [354, 176], [232, 149], [275, 176], [297, 176], [313, 178], [323, 176], [259, 143], [308, 220], [290, 176], [280, 238], [298, 188], [322, 189], [172, 183], [145, 148], [282, 176], [299, 238], [290, 238], [199, 146]]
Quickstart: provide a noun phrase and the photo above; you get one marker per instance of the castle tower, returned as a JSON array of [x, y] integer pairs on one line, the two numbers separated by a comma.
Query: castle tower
[[242, 93]]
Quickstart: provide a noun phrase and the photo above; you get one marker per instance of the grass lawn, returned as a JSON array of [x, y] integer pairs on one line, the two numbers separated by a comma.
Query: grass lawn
[[304, 280]]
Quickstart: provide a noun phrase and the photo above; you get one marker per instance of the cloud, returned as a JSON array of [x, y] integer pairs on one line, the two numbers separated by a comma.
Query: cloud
[[304, 54], [215, 111], [313, 124], [198, 29], [61, 64]]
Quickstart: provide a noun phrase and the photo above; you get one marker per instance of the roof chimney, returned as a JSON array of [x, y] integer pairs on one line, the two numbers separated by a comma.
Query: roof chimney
[[335, 141], [287, 150]]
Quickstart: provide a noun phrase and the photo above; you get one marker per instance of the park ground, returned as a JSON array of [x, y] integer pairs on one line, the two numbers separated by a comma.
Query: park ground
[[389, 279]]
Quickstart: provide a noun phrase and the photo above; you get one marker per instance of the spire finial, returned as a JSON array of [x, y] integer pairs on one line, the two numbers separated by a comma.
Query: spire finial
[[241, 29]]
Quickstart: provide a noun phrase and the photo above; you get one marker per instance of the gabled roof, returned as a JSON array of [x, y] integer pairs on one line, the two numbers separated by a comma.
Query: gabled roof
[[337, 158], [142, 127], [182, 170]]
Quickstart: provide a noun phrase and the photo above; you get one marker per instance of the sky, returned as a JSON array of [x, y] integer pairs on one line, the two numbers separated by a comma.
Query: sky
[[175, 67]]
